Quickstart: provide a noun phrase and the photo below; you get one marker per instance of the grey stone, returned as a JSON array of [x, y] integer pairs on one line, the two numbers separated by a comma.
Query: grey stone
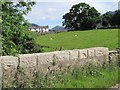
[[62, 55], [9, 61], [28, 62], [44, 61], [9, 68], [82, 53], [91, 52], [101, 51], [73, 54], [45, 58], [48, 60]]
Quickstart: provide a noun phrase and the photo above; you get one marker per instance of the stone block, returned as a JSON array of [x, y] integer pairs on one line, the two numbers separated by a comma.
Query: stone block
[[101, 51], [8, 62], [9, 68], [73, 54], [48, 60], [28, 60], [62, 55], [44, 61], [28, 63], [91, 52], [83, 53], [45, 58]]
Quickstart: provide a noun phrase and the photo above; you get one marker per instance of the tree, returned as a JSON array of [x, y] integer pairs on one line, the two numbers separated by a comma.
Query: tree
[[115, 19], [14, 28], [106, 19], [81, 16]]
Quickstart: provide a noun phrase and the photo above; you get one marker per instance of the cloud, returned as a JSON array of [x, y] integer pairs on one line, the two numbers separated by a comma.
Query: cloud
[[76, 0], [51, 10], [119, 5], [50, 13], [103, 7], [48, 17], [46, 11], [42, 11]]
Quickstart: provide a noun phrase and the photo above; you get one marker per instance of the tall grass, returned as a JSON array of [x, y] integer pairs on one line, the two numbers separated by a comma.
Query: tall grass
[[80, 77]]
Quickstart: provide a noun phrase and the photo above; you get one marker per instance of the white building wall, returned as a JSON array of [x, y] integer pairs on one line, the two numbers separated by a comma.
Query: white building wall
[[47, 30], [43, 29], [39, 29], [33, 30]]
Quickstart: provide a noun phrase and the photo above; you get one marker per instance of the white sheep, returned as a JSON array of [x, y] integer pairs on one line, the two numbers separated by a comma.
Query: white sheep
[[75, 35], [50, 38]]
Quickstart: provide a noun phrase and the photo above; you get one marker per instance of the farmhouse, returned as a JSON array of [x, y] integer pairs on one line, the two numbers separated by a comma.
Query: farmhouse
[[40, 29]]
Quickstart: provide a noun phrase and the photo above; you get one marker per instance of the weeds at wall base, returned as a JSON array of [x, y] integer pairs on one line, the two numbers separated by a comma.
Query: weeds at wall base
[[86, 76]]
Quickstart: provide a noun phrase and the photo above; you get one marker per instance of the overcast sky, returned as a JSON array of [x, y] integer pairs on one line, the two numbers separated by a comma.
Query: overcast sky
[[50, 12]]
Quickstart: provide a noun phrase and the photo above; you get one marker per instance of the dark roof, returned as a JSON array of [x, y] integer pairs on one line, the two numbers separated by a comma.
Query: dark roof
[[35, 27]]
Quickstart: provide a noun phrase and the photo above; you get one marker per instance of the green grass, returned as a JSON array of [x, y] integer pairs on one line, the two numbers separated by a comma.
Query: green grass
[[85, 39], [105, 80], [101, 77]]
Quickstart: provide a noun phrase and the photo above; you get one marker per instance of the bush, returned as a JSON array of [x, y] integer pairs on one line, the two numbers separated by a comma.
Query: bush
[[15, 39]]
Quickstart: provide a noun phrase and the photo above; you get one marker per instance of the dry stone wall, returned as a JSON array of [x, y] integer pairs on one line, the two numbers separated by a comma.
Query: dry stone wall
[[0, 74], [43, 62]]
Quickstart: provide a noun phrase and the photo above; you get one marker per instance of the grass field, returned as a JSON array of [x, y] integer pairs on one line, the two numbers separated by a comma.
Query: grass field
[[78, 39]]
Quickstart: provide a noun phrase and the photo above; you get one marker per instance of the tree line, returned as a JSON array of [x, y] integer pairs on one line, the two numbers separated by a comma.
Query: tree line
[[84, 17]]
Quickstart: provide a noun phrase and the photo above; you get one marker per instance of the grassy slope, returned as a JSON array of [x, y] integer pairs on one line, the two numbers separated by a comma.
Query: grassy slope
[[84, 39]]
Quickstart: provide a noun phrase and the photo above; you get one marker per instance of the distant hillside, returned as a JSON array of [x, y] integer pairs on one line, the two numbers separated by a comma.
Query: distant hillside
[[32, 24], [58, 28], [111, 12]]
